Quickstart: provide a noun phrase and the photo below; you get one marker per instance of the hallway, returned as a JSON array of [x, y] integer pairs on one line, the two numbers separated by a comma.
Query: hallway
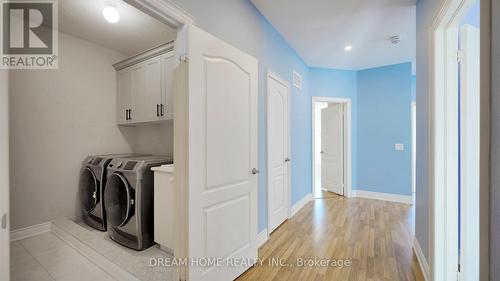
[[375, 236]]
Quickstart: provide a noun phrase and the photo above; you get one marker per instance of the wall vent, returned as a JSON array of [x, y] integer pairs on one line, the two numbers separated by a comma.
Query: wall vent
[[297, 80]]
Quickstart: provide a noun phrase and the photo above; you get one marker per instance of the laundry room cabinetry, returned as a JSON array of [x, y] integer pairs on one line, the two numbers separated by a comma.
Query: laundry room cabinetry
[[145, 87], [166, 208]]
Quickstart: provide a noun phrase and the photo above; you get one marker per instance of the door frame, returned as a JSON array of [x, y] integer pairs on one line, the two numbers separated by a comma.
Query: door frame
[[347, 141], [272, 75], [4, 177], [469, 152], [413, 149], [443, 140]]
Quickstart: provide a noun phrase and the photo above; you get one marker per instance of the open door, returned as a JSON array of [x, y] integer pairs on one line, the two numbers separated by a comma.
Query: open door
[[469, 152], [220, 176], [332, 148], [4, 178]]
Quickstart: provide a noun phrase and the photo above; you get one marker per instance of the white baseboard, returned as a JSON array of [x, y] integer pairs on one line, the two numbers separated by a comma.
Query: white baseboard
[[382, 196], [301, 203], [30, 231], [424, 265], [262, 237]]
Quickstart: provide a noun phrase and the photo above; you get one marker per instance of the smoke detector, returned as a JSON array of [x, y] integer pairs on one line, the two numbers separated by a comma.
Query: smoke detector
[[395, 39]]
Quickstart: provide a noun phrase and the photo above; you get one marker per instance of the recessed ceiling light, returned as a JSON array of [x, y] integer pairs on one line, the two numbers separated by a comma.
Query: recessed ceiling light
[[347, 48], [111, 14]]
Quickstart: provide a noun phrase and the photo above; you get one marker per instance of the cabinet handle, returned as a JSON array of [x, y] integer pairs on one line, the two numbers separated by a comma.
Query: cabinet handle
[[157, 110], [130, 114], [161, 109], [126, 114]]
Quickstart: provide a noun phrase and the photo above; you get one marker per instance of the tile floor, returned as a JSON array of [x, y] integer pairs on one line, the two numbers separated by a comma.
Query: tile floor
[[46, 257], [58, 256]]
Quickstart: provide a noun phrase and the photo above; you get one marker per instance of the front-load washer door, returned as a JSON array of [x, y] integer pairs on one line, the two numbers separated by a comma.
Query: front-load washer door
[[89, 190], [118, 200]]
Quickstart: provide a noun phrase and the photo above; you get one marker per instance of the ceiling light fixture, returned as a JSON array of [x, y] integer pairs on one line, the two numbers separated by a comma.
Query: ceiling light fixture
[[347, 48], [111, 14]]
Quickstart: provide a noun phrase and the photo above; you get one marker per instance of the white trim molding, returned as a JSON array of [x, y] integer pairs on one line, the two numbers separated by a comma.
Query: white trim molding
[[405, 199], [164, 10], [30, 231], [262, 237], [301, 203], [347, 141], [424, 265]]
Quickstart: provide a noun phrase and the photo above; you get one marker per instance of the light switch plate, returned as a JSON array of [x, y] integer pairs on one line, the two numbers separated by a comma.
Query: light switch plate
[[399, 147]]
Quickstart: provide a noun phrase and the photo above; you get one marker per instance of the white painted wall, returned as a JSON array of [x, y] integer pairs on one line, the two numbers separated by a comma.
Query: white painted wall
[[155, 139], [57, 118]]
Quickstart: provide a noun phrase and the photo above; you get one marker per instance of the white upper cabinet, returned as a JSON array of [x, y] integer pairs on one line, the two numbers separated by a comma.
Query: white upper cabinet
[[145, 86], [168, 67], [125, 91]]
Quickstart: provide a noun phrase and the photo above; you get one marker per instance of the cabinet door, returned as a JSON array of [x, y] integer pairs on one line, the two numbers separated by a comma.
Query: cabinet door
[[125, 93], [147, 91], [168, 66]]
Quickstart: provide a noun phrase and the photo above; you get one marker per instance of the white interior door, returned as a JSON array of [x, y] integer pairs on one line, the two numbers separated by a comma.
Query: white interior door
[[469, 152], [278, 151], [4, 178], [222, 149], [332, 148]]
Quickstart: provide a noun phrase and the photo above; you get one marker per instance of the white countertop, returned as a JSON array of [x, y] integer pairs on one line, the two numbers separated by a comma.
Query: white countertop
[[169, 168]]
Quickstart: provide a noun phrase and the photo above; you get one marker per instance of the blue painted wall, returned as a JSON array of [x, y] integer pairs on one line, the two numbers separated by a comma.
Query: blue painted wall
[[340, 84], [244, 27], [384, 119], [472, 16], [239, 23]]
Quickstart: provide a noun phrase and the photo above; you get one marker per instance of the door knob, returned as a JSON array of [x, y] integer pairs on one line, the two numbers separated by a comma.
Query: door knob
[[255, 171], [287, 159], [321, 152]]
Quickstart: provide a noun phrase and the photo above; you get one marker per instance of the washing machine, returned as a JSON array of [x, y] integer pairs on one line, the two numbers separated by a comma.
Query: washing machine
[[91, 187], [128, 200]]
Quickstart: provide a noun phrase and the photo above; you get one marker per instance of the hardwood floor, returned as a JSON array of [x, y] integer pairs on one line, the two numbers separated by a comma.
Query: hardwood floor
[[376, 236], [325, 194]]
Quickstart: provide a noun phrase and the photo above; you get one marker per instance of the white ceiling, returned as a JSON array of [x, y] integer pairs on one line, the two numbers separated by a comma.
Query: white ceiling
[[84, 19], [320, 29]]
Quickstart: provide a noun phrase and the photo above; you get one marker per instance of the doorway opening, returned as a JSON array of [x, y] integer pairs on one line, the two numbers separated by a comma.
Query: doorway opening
[[331, 134]]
